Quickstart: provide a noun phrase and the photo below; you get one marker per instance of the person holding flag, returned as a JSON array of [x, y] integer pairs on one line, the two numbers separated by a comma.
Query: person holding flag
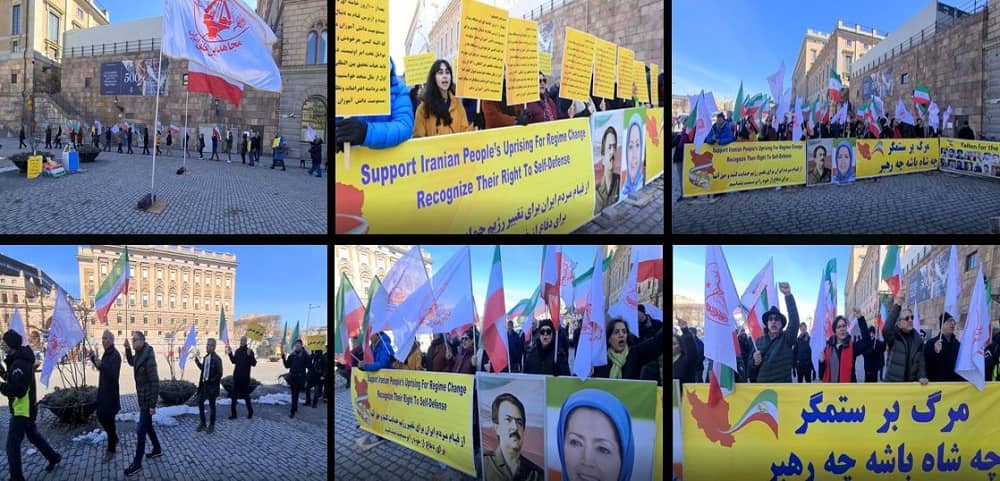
[[297, 363], [243, 360], [208, 384], [108, 402], [905, 362], [941, 352], [772, 362], [542, 359]]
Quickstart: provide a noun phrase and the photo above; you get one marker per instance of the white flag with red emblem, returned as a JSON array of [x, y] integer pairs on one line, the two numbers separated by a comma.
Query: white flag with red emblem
[[592, 348], [64, 334], [200, 79], [225, 37]]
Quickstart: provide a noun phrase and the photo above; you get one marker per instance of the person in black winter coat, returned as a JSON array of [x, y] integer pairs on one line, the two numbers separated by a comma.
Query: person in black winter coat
[[743, 360], [243, 360], [108, 402], [208, 384], [941, 352], [648, 326], [874, 359], [515, 344], [317, 370], [20, 391], [542, 358], [803, 366], [685, 354], [297, 364], [316, 155], [48, 137]]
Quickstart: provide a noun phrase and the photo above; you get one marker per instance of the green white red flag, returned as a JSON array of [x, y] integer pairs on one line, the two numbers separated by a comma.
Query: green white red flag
[[835, 86], [891, 273], [116, 283]]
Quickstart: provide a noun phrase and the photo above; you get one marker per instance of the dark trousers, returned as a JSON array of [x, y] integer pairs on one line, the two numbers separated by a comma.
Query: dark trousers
[[19, 428], [244, 155], [296, 389], [234, 399], [48, 142], [317, 168], [211, 408], [107, 145], [119, 147], [873, 376], [142, 429], [145, 149], [20, 142], [313, 392], [130, 147], [108, 423], [805, 375], [215, 155]]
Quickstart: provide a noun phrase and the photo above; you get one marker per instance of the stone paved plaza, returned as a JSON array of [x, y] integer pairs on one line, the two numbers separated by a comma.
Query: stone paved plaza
[[639, 214], [217, 198]]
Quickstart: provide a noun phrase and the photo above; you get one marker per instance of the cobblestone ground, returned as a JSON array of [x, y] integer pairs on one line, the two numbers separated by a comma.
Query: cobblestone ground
[[923, 203], [270, 446], [389, 460], [639, 214], [217, 198]]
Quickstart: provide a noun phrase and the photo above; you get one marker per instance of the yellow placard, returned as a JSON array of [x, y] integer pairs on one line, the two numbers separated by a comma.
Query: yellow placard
[[655, 142], [362, 53], [34, 166], [545, 62], [604, 68], [654, 82], [482, 35], [658, 444], [639, 81], [537, 178], [626, 58], [255, 331], [743, 166], [316, 343], [577, 65], [428, 412], [970, 157], [417, 67], [944, 430], [879, 157], [521, 65]]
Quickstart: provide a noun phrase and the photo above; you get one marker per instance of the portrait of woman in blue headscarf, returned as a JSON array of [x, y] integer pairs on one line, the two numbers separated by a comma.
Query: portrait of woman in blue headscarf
[[634, 156], [843, 163], [595, 437]]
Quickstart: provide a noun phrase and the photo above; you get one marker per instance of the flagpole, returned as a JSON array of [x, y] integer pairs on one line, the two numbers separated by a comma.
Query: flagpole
[[186, 95], [156, 121]]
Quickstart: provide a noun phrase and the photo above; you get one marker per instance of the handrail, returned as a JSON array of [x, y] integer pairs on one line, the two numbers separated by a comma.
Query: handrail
[[94, 50], [541, 8]]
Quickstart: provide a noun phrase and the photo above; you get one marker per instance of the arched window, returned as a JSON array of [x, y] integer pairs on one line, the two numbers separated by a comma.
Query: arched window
[[314, 116], [311, 48], [322, 47]]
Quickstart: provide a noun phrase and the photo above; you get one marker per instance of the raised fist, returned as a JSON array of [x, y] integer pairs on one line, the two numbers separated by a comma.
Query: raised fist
[[784, 288]]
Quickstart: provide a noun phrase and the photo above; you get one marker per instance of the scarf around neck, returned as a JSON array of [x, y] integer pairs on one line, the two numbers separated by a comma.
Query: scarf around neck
[[617, 362]]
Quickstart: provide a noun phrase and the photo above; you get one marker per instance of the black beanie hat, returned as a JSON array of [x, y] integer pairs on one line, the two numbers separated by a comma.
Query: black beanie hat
[[774, 310], [944, 317], [642, 308], [12, 339]]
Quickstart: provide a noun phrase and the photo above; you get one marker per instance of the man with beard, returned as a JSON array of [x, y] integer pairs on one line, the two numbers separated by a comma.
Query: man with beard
[[506, 462]]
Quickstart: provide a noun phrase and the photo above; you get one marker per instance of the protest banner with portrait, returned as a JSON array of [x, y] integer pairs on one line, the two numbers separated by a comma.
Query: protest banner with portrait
[[844, 165], [658, 447], [819, 161], [743, 166], [608, 141], [970, 157], [654, 139], [879, 157], [361, 80], [839, 431], [428, 412], [633, 169], [599, 428], [511, 423]]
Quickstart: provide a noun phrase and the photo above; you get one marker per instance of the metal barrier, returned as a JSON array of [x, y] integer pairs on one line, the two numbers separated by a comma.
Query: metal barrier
[[128, 46]]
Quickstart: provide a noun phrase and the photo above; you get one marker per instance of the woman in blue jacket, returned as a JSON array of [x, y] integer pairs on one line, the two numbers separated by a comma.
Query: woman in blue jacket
[[380, 131]]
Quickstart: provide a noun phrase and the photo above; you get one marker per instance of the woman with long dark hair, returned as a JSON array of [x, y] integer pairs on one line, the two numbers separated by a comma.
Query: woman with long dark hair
[[440, 112]]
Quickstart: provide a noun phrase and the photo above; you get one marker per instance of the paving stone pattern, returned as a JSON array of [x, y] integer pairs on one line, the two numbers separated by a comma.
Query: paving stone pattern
[[631, 216]]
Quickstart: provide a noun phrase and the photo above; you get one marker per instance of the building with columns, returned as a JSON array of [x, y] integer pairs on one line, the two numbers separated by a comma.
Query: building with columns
[[170, 287], [29, 291]]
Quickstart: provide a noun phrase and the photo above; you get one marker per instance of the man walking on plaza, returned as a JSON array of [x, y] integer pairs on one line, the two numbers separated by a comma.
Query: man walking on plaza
[[201, 145], [48, 136], [229, 147], [20, 391], [315, 154], [147, 387], [215, 147], [108, 403], [296, 363], [20, 139], [107, 139], [244, 360], [772, 361], [208, 384], [317, 370], [145, 141], [128, 136], [279, 149]]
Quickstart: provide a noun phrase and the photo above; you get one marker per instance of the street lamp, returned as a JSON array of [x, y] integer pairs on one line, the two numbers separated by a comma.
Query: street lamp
[[309, 311]]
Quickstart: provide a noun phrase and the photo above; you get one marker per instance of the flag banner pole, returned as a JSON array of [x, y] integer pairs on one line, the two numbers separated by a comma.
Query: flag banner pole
[[147, 203], [186, 95]]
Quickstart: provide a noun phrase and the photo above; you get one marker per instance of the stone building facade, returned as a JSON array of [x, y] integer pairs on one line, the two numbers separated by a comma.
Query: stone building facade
[[170, 287], [844, 46], [34, 306], [812, 43], [970, 258]]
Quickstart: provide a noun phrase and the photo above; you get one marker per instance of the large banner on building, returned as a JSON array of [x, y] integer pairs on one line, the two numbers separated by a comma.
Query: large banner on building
[[879, 157], [928, 280], [877, 83], [134, 77], [842, 431], [972, 157], [428, 412], [743, 166]]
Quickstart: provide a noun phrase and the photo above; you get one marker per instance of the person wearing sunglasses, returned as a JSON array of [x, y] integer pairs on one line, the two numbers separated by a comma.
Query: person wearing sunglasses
[[464, 361], [543, 359], [905, 362], [543, 110]]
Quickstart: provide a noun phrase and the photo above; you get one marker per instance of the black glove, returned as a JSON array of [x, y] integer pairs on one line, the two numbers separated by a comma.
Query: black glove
[[524, 117], [352, 130], [340, 147]]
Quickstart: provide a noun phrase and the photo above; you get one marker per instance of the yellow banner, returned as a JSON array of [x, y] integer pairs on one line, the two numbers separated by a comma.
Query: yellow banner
[[428, 412], [316, 343], [34, 166], [655, 142], [604, 68], [577, 65], [417, 67], [522, 55], [626, 58], [861, 431], [971, 157], [879, 157], [482, 35], [362, 53], [518, 180], [658, 444], [255, 331], [743, 166], [654, 82], [545, 62], [639, 81]]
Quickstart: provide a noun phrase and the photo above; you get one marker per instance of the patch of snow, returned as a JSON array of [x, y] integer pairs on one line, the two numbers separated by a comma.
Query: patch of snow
[[31, 451], [275, 399], [97, 436], [164, 416]]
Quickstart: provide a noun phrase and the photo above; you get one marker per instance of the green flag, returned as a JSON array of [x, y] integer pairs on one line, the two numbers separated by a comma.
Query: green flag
[[295, 337], [738, 106], [284, 336], [366, 323]]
